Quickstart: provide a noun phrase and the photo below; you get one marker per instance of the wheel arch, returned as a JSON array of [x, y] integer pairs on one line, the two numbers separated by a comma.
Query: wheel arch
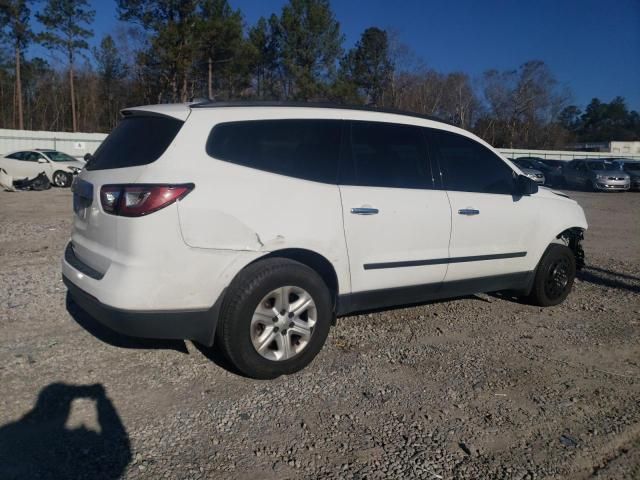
[[314, 260], [572, 237]]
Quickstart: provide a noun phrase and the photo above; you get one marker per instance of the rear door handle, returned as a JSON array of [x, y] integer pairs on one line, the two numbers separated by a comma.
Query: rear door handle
[[364, 211], [469, 211]]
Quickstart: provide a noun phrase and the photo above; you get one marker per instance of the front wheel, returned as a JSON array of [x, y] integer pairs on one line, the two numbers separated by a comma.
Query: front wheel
[[275, 318], [62, 179], [554, 276]]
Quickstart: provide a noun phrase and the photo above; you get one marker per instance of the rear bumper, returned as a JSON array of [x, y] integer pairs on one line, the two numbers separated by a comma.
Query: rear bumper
[[198, 325]]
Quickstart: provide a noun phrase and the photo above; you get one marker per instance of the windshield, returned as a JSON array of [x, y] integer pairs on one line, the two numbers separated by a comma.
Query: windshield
[[522, 163], [59, 156], [539, 165], [601, 166], [630, 166]]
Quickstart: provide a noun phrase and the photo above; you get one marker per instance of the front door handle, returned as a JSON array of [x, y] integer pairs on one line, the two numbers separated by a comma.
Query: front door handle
[[469, 211], [364, 211]]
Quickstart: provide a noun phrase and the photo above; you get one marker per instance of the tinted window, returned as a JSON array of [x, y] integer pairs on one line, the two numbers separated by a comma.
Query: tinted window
[[387, 155], [137, 140], [31, 156], [59, 156], [16, 156], [468, 166], [306, 149]]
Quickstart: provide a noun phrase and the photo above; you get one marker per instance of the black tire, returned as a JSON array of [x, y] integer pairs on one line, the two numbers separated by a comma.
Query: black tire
[[62, 179], [247, 290], [554, 276], [588, 186]]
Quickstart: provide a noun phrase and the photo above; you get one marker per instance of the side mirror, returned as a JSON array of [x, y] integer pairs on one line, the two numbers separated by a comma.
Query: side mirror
[[42, 160], [525, 186], [87, 157]]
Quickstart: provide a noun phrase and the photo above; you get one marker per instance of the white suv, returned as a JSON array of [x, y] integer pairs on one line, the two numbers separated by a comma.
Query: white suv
[[252, 226]]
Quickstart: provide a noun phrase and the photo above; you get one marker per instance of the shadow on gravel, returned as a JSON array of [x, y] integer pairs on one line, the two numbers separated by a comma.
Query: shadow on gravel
[[217, 357], [611, 272], [610, 279], [116, 339], [39, 445]]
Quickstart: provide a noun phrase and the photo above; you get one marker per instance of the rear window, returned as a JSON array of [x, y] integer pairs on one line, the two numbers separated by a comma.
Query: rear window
[[307, 149], [137, 140]]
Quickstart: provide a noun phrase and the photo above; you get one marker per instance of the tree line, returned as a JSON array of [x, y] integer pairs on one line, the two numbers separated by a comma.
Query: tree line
[[176, 50]]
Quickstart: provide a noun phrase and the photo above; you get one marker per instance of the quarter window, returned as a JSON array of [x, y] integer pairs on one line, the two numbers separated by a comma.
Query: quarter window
[[387, 155], [468, 166], [307, 149]]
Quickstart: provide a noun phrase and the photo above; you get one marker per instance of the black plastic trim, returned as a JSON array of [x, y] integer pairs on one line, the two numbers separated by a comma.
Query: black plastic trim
[[198, 325], [374, 299], [442, 261], [75, 262]]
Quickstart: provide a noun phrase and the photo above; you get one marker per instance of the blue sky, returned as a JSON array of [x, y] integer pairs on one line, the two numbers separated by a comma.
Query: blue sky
[[593, 47]]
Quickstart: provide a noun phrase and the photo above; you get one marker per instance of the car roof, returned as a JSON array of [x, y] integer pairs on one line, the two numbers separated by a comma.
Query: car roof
[[365, 108], [181, 110]]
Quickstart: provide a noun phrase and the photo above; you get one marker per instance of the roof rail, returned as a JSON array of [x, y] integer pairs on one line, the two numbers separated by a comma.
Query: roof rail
[[216, 104]]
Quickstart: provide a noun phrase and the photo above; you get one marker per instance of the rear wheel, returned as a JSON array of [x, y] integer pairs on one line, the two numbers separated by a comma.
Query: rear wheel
[[275, 318], [554, 276], [62, 179]]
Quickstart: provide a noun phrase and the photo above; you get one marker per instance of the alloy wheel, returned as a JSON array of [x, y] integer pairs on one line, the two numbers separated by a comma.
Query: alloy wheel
[[282, 323], [59, 179]]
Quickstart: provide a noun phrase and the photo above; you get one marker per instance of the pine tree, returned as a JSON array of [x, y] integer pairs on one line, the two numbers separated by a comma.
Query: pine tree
[[63, 20]]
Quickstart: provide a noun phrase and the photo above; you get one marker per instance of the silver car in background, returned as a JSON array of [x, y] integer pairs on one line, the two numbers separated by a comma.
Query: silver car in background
[[600, 175], [535, 175]]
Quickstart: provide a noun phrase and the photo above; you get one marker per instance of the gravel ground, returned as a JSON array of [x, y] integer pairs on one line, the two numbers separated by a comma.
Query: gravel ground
[[479, 387]]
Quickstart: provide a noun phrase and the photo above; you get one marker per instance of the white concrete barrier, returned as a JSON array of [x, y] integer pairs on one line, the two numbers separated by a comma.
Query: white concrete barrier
[[74, 144]]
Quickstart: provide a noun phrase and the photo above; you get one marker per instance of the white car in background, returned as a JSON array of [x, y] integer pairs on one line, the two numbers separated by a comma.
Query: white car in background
[[57, 166]]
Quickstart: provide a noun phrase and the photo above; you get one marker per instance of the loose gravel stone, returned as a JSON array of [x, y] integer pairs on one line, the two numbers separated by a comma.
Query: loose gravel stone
[[477, 387]]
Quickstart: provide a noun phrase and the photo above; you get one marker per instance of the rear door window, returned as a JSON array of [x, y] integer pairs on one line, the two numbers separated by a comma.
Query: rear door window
[[386, 155], [468, 166], [307, 149], [137, 140]]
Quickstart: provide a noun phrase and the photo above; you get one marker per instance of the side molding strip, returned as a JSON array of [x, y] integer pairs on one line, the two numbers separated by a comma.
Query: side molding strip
[[373, 299], [440, 261]]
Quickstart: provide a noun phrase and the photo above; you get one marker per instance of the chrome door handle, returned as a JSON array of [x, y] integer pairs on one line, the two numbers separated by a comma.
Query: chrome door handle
[[364, 211], [469, 211]]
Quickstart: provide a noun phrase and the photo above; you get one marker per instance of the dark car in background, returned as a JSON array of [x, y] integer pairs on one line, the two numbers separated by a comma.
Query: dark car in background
[[596, 175], [551, 169], [632, 168]]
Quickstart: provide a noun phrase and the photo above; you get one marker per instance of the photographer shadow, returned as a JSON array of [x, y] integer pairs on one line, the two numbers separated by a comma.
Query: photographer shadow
[[40, 445]]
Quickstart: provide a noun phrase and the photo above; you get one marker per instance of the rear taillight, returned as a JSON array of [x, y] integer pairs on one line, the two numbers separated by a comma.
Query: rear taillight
[[136, 200]]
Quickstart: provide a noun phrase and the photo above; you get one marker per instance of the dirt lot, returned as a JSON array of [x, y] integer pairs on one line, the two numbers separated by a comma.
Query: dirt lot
[[478, 387]]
